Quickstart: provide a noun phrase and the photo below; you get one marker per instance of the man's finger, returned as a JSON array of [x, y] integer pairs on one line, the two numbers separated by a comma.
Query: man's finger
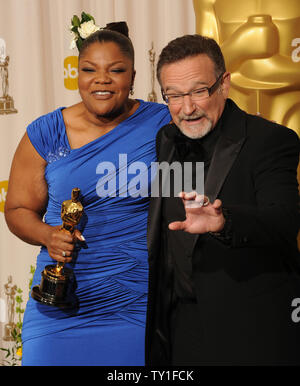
[[177, 226], [204, 200], [188, 196], [191, 195], [193, 204], [217, 205]]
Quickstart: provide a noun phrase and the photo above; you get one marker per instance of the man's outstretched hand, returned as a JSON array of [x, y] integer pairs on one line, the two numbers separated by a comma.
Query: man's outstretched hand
[[201, 215]]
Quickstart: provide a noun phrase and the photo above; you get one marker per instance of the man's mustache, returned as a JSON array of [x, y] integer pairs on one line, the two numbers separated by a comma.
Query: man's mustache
[[191, 117]]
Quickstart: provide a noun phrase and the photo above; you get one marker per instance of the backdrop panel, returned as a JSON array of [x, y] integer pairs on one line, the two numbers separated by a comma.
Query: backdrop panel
[[41, 76]]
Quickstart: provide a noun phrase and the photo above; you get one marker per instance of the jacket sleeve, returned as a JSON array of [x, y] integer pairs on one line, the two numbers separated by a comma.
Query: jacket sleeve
[[274, 220]]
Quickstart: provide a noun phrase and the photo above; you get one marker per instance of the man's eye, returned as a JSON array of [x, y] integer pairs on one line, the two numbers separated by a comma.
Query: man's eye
[[174, 96], [199, 92]]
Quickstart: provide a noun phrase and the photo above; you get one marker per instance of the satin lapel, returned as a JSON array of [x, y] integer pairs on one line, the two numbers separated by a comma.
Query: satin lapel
[[226, 151], [167, 151], [224, 156]]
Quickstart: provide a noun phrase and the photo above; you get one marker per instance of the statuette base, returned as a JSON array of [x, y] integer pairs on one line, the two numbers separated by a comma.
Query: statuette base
[[7, 105], [56, 288]]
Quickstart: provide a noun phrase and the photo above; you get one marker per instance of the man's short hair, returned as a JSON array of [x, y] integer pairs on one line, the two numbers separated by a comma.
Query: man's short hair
[[188, 46]]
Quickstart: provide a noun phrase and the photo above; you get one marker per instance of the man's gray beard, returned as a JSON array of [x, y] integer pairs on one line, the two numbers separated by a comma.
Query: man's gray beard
[[195, 134]]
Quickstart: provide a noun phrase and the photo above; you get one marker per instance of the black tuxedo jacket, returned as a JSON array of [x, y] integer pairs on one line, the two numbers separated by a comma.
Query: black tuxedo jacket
[[244, 291]]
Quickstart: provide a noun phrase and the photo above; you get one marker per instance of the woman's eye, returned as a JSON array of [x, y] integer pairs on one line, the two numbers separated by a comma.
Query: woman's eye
[[118, 70], [87, 69]]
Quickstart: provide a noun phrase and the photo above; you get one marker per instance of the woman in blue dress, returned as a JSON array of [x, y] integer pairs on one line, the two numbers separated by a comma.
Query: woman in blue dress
[[103, 145]]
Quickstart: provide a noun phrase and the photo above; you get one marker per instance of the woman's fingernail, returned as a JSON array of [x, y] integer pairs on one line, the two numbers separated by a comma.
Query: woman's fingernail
[[82, 238]]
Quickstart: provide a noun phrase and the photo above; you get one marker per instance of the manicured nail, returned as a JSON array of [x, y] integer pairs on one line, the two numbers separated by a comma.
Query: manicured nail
[[82, 238]]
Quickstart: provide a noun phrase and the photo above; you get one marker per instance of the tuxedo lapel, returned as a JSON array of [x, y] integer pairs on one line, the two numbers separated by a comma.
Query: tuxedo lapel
[[224, 156], [231, 140], [228, 146], [165, 154]]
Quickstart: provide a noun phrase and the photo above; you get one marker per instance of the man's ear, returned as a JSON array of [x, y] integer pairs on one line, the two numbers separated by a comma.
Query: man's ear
[[225, 86]]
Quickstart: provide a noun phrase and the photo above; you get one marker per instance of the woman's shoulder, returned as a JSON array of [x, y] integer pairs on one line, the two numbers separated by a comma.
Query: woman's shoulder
[[47, 132], [153, 106], [51, 119], [154, 112]]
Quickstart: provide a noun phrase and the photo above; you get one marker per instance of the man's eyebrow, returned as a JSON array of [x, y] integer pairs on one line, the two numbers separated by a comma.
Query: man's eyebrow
[[198, 84]]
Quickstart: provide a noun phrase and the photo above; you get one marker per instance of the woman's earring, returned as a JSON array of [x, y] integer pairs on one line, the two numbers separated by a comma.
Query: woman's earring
[[131, 92]]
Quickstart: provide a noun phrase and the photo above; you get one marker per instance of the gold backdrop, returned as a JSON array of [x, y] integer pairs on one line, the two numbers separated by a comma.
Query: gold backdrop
[[260, 40]]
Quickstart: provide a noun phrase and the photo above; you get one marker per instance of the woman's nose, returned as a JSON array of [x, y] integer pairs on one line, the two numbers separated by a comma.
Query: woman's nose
[[102, 77]]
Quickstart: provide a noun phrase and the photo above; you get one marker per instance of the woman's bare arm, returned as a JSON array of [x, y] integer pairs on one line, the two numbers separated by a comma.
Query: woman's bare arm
[[26, 203]]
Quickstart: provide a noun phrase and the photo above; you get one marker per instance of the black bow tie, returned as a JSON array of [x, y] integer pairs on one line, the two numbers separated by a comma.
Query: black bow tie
[[188, 149]]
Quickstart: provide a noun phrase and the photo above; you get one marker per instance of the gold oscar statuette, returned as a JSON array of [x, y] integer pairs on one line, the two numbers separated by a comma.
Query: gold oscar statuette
[[57, 283]]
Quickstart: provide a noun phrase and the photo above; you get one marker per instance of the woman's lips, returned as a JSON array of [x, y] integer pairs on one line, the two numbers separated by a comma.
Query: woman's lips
[[102, 94]]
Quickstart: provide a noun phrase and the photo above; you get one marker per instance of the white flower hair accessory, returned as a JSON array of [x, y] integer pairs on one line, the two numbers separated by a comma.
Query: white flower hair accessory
[[82, 29]]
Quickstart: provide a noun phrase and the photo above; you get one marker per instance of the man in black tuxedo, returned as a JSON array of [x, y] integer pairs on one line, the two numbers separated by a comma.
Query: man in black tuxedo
[[223, 275]]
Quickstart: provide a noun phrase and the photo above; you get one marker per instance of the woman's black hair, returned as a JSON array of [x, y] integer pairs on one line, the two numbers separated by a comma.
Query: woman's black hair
[[113, 32]]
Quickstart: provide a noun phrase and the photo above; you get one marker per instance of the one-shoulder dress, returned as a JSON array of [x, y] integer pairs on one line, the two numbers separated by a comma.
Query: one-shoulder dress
[[113, 172]]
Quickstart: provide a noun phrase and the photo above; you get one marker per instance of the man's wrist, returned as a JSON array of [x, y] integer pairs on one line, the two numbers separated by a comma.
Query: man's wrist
[[224, 235]]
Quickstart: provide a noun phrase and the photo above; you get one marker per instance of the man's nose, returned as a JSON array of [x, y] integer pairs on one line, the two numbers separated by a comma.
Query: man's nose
[[188, 106]]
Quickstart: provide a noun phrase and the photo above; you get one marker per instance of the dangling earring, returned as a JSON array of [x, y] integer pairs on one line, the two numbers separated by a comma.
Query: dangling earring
[[131, 92]]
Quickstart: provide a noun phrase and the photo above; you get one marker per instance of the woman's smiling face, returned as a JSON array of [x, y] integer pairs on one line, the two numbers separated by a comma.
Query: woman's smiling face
[[105, 78]]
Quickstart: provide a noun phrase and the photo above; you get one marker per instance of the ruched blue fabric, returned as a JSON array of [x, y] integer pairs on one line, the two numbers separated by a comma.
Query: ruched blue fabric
[[111, 266]]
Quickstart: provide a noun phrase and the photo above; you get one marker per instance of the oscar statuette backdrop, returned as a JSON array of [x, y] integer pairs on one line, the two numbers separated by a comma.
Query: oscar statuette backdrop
[[260, 40]]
